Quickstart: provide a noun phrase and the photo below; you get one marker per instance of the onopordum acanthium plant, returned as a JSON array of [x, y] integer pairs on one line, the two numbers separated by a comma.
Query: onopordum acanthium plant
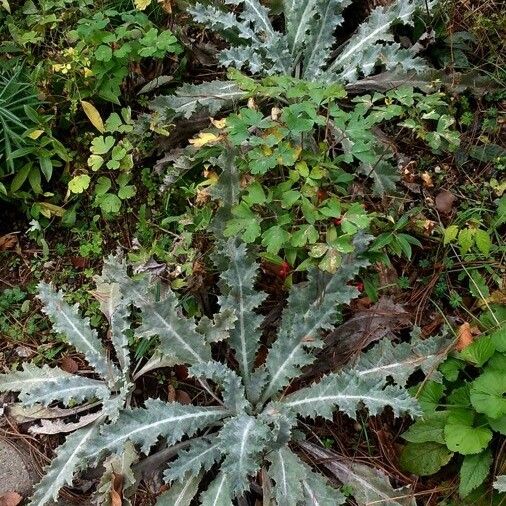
[[307, 48], [246, 422]]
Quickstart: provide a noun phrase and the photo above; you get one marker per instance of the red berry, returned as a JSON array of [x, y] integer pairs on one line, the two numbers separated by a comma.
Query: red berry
[[284, 269], [359, 286], [321, 195], [337, 221]]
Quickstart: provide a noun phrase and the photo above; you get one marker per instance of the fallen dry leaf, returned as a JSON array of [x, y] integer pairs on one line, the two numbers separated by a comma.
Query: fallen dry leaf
[[464, 336], [117, 490], [182, 397], [427, 180], [68, 364], [445, 201], [8, 241], [10, 499]]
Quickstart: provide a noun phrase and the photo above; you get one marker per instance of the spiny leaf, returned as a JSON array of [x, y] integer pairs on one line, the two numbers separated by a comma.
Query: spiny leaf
[[401, 360], [47, 384], [218, 493], [242, 440], [178, 336], [217, 330], [190, 98], [369, 485], [288, 473], [201, 455], [70, 457], [238, 293], [348, 393], [310, 309], [180, 494], [233, 390], [67, 320], [143, 426]]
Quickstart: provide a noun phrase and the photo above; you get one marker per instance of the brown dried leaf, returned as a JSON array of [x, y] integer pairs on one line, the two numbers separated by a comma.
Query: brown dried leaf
[[171, 393], [10, 499], [68, 364], [445, 201], [117, 490], [182, 397], [8, 242], [464, 336], [427, 180]]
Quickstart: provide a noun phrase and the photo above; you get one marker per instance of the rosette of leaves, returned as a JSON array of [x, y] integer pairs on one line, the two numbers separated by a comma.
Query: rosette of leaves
[[306, 48], [247, 424], [461, 417]]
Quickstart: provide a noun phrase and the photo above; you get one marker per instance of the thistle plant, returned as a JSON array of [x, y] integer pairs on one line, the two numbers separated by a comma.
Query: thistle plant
[[247, 422], [306, 49]]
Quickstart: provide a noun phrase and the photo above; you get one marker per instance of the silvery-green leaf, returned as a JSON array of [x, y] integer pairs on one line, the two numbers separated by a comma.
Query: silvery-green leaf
[[399, 361], [217, 329], [116, 309], [190, 98], [242, 439], [47, 384], [67, 321], [362, 52], [500, 483], [70, 457], [218, 493], [287, 472], [318, 492], [143, 426], [177, 334], [311, 309], [320, 39], [234, 397], [347, 392], [239, 294], [200, 455], [369, 486], [181, 493]]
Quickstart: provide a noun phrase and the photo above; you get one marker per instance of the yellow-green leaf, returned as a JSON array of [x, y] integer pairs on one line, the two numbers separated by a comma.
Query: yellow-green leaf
[[142, 4], [49, 209], [93, 115], [79, 183], [35, 134]]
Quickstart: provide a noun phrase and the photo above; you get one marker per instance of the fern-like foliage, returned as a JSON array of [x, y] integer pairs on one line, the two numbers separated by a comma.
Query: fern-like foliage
[[247, 424], [306, 49]]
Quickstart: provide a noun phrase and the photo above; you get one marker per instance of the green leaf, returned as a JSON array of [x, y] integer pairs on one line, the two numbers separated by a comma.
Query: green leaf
[[429, 395], [488, 393], [95, 162], [498, 337], [20, 178], [479, 351], [450, 234], [483, 241], [274, 238], [461, 436], [431, 429], [424, 459], [103, 53], [79, 183], [450, 368], [474, 471], [101, 145], [109, 203], [465, 240], [127, 192]]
